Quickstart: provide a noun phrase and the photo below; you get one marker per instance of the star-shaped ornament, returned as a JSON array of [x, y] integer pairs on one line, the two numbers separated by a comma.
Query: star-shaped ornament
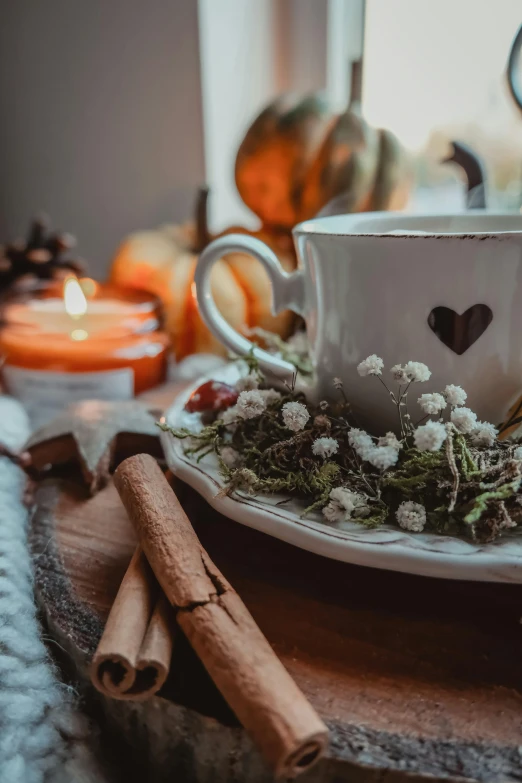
[[94, 433]]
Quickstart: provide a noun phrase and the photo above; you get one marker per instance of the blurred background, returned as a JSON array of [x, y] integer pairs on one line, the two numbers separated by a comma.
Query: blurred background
[[114, 113]]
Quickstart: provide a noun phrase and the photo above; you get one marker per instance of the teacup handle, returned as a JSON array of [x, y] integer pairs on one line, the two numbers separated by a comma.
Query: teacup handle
[[287, 294]]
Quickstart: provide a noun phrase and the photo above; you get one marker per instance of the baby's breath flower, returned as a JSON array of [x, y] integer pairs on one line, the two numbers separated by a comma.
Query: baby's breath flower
[[361, 442], [484, 434], [399, 373], [517, 454], [411, 516], [432, 403], [464, 420], [247, 383], [430, 436], [295, 416], [230, 416], [229, 456], [270, 396], [325, 447], [383, 457], [417, 372], [337, 382], [250, 404], [455, 395], [390, 439], [343, 503], [346, 498], [333, 512], [372, 365]]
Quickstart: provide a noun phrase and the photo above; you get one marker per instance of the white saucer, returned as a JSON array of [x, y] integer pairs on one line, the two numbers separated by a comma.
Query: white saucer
[[385, 547]]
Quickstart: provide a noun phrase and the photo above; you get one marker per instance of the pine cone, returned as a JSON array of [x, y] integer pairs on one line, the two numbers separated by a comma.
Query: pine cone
[[44, 256]]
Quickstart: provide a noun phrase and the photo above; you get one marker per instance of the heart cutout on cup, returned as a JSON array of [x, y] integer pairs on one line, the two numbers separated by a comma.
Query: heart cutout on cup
[[459, 332]]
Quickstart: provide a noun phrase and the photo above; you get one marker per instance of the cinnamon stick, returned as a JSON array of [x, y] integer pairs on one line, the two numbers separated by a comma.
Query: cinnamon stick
[[277, 715], [133, 657]]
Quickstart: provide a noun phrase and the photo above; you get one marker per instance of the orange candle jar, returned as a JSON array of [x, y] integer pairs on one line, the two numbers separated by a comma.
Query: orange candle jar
[[80, 340]]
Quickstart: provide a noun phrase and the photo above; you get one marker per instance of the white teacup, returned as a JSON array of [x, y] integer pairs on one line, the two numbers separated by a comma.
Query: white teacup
[[442, 290]]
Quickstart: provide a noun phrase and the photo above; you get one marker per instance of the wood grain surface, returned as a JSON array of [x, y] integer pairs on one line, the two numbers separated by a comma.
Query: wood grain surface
[[415, 677]]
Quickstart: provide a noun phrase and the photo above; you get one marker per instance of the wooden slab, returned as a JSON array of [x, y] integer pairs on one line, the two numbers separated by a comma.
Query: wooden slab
[[416, 678]]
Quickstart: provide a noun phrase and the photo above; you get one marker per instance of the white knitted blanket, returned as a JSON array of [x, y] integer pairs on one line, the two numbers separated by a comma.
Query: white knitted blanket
[[43, 736]]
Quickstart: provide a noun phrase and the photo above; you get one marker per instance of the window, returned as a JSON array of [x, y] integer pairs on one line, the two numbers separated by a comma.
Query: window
[[433, 71]]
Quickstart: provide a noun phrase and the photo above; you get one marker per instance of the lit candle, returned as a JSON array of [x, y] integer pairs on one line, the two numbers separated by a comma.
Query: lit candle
[[78, 341]]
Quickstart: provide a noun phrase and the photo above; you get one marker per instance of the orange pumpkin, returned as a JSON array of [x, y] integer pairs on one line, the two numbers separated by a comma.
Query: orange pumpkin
[[163, 262], [298, 155]]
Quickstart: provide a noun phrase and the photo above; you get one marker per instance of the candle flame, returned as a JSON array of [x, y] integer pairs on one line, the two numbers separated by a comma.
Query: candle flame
[[74, 298]]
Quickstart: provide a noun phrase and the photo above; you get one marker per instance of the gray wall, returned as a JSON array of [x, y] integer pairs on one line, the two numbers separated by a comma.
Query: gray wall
[[100, 117]]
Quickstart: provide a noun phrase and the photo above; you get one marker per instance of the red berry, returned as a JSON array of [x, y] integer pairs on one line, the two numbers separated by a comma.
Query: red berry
[[211, 396]]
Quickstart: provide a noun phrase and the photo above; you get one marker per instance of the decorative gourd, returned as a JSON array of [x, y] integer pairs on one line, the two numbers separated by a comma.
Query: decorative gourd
[[163, 262], [297, 156]]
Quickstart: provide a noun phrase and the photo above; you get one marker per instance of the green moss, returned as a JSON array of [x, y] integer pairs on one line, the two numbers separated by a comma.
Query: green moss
[[416, 471], [481, 487], [481, 502], [467, 463]]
